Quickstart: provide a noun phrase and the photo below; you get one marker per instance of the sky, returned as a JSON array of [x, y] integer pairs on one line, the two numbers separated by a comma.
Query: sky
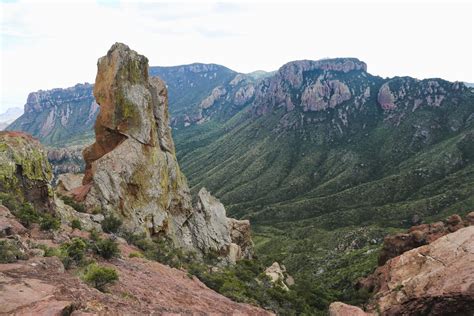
[[48, 45]]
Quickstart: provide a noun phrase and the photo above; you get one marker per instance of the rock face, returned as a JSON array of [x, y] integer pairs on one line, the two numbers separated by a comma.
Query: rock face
[[395, 245], [25, 171], [432, 272], [131, 169], [435, 279]]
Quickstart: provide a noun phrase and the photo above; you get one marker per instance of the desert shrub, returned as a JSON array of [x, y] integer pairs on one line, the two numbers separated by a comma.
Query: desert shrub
[[10, 251], [99, 277], [76, 224], [111, 224], [49, 251], [9, 201], [106, 248], [49, 222], [135, 255], [72, 203], [73, 252], [94, 235], [27, 215]]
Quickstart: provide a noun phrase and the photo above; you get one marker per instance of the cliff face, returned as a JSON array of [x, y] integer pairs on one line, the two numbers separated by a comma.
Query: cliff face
[[59, 116], [131, 169], [25, 171]]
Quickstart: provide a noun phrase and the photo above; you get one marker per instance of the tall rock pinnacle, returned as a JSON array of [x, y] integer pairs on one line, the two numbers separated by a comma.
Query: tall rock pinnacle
[[132, 171]]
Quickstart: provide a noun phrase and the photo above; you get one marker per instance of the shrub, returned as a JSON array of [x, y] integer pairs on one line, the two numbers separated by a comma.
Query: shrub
[[135, 255], [107, 248], [10, 251], [111, 224], [9, 201], [70, 201], [73, 252], [99, 277], [76, 224], [49, 251], [27, 215], [49, 222]]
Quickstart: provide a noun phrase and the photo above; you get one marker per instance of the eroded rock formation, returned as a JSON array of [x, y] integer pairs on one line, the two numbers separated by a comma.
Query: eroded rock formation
[[25, 171], [131, 169]]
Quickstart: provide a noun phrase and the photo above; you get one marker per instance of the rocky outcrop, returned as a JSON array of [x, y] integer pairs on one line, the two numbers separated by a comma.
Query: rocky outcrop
[[435, 279], [131, 169], [324, 94], [430, 270], [24, 170], [405, 93], [395, 245], [319, 94], [278, 276]]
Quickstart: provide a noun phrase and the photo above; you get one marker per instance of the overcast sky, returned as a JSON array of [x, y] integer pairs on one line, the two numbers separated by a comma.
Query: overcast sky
[[48, 45]]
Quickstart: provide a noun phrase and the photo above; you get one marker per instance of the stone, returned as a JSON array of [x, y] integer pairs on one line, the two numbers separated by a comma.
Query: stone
[[341, 309], [25, 171], [68, 181], [276, 273]]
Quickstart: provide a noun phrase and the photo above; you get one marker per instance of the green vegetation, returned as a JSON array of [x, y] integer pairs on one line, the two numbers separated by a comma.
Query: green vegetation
[[27, 215], [111, 224], [99, 277], [73, 252], [72, 203], [76, 224], [106, 248], [10, 251]]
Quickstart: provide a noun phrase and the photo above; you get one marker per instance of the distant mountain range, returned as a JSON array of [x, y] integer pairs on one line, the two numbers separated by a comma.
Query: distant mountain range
[[323, 157], [7, 117]]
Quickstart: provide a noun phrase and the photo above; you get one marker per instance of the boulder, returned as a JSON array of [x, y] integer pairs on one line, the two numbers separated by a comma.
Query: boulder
[[341, 309], [277, 273]]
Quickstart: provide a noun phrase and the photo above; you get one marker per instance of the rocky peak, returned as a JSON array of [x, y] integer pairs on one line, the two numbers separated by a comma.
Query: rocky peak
[[132, 171], [293, 71]]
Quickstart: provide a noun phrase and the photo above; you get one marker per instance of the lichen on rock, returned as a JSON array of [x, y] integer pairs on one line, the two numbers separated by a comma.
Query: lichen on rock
[[25, 171]]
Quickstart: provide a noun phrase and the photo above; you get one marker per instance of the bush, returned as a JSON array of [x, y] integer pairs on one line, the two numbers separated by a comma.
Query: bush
[[135, 255], [27, 215], [73, 252], [70, 201], [111, 224], [107, 248], [49, 222], [9, 201], [99, 277], [76, 224], [10, 251]]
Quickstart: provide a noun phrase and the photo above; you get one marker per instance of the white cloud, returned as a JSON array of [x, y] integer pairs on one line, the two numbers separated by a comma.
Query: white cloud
[[47, 45]]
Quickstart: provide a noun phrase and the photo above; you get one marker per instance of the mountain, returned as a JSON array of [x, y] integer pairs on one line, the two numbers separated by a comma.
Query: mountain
[[325, 159], [59, 116], [9, 116]]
